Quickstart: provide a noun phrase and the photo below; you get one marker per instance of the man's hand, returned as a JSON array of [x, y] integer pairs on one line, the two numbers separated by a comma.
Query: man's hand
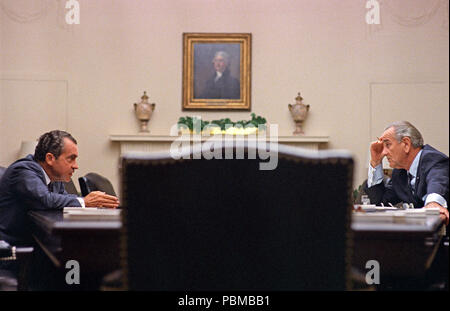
[[376, 153], [443, 211], [101, 199]]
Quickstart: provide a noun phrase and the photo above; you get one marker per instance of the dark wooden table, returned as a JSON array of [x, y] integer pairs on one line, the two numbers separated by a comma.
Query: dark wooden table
[[94, 244], [404, 249]]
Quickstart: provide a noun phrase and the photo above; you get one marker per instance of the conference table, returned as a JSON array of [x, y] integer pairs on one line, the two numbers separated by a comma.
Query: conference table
[[94, 244], [405, 248]]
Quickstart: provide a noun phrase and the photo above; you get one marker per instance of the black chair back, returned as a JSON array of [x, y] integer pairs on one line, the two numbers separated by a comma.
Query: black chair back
[[70, 187], [227, 225], [95, 182]]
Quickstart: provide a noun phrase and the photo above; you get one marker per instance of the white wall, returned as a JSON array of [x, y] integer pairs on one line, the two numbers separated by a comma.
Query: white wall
[[356, 77]]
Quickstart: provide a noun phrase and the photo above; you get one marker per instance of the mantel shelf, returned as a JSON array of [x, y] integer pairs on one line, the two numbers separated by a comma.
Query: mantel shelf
[[167, 138], [146, 142]]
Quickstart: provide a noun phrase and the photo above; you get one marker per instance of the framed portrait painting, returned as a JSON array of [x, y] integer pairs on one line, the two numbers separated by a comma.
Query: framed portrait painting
[[216, 71]]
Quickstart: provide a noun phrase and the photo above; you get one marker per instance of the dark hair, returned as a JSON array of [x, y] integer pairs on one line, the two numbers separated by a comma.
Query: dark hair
[[52, 142]]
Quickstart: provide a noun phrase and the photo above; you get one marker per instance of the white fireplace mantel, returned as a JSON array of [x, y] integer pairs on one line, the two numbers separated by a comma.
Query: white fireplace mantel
[[147, 142]]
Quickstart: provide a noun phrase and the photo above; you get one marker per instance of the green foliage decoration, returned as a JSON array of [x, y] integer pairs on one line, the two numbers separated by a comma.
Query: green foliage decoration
[[189, 122]]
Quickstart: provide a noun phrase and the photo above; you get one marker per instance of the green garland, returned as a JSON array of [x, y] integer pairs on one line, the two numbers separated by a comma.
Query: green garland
[[256, 121]]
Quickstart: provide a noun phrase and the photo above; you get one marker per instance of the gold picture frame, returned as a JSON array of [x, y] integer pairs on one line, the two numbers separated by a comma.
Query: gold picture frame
[[216, 71]]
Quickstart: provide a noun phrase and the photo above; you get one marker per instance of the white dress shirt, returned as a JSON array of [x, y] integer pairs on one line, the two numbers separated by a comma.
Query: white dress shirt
[[375, 177]]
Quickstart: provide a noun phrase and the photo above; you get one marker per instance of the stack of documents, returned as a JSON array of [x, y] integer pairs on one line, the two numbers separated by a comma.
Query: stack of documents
[[374, 208], [374, 217], [91, 213], [399, 215], [422, 212]]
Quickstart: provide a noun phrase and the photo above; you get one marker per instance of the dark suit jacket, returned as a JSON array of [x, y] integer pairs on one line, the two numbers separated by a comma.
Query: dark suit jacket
[[432, 177], [226, 87], [23, 188]]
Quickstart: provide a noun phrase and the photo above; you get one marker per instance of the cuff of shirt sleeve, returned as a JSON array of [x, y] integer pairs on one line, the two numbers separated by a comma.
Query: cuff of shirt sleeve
[[434, 197], [81, 202], [375, 175]]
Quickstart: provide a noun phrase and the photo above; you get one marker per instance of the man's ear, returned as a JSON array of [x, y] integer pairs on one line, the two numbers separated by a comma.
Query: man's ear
[[406, 144], [49, 158]]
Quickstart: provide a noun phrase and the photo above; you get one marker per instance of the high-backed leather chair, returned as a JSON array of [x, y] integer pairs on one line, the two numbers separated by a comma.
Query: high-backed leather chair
[[70, 187], [93, 182], [224, 224], [13, 279]]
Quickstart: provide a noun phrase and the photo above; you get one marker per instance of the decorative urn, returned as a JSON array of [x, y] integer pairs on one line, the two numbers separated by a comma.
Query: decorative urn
[[144, 112], [299, 112]]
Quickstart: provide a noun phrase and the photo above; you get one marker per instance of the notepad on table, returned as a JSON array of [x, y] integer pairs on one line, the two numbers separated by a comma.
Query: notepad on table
[[91, 213]]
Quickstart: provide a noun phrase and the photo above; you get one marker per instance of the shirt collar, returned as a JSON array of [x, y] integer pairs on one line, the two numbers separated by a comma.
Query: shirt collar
[[47, 179], [415, 164]]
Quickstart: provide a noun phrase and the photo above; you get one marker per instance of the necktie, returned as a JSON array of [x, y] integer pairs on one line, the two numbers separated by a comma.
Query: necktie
[[50, 187], [410, 178]]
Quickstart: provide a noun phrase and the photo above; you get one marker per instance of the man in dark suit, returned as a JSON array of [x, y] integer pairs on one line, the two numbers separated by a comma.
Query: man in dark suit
[[35, 183], [420, 173], [221, 85]]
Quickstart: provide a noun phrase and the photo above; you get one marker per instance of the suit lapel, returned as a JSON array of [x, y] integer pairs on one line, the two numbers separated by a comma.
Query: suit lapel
[[404, 192], [419, 178]]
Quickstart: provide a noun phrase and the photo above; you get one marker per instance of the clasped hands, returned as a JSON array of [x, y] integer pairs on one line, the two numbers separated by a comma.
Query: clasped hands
[[101, 199]]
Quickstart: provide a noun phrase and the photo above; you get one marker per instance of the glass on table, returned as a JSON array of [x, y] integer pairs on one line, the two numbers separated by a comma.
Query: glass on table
[[365, 200]]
